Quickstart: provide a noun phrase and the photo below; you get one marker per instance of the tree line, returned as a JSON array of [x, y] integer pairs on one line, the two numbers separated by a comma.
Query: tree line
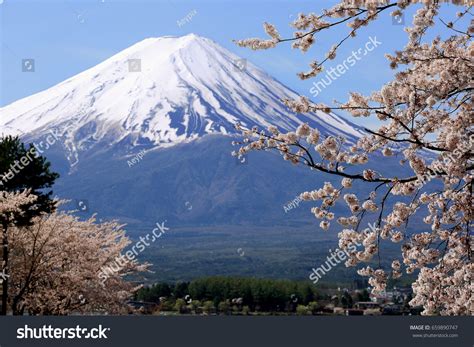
[[223, 294]]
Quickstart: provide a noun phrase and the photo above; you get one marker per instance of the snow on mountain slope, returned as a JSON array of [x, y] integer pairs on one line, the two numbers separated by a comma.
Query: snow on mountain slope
[[188, 87]]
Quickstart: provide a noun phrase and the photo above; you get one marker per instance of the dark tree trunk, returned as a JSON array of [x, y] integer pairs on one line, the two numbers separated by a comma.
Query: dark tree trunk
[[5, 270]]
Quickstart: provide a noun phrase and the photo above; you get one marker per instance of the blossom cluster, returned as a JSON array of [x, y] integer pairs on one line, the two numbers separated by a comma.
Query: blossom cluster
[[53, 262], [426, 114]]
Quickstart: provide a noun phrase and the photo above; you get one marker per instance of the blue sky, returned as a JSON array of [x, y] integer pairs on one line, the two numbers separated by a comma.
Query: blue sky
[[67, 37]]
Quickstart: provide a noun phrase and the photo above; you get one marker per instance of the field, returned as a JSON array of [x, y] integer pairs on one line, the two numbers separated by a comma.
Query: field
[[278, 253]]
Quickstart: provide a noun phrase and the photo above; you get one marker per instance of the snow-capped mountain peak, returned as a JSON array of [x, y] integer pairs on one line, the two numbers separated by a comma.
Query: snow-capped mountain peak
[[159, 92]]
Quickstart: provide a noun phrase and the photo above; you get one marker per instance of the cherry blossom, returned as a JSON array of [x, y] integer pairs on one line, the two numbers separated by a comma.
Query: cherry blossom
[[426, 115], [55, 262]]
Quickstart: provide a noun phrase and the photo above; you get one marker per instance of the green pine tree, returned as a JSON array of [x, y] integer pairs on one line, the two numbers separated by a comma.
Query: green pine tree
[[23, 168]]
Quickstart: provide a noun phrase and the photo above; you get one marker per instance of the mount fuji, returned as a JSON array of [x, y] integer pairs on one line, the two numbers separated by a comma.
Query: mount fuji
[[175, 100], [158, 93]]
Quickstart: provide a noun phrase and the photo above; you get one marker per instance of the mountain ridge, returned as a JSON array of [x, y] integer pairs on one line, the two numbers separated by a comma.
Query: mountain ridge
[[177, 106], [157, 93]]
